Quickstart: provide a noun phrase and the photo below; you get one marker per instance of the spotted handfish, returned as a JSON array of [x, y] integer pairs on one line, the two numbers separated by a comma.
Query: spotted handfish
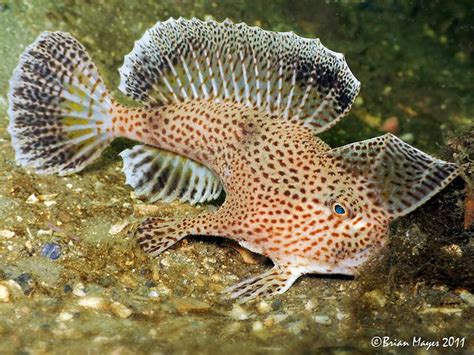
[[228, 107]]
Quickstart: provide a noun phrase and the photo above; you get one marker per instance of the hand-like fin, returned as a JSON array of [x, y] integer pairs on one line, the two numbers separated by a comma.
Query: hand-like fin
[[155, 235], [274, 281], [397, 176]]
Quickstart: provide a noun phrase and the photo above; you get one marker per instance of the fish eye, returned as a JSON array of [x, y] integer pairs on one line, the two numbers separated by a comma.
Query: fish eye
[[339, 209]]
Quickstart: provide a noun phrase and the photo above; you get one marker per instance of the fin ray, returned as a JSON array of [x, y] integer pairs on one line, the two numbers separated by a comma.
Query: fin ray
[[400, 177], [60, 112], [156, 174], [280, 73]]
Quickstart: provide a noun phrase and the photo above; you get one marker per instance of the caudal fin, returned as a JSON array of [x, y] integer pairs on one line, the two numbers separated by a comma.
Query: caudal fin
[[59, 108]]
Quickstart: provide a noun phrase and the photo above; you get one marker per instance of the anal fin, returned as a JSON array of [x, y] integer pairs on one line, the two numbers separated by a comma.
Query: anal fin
[[156, 174]]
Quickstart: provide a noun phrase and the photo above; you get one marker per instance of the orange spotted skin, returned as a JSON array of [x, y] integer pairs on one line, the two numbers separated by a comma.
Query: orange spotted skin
[[280, 186]]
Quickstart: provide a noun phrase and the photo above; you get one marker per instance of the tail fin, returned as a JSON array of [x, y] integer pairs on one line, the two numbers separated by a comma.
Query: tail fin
[[59, 108]]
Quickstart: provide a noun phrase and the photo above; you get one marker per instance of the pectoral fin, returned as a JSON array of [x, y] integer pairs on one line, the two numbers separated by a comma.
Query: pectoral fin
[[274, 281], [398, 176]]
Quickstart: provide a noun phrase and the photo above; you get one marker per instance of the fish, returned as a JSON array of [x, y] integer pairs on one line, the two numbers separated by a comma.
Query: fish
[[224, 106]]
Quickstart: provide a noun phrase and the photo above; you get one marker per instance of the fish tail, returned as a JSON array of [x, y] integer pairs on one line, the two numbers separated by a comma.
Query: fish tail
[[60, 110]]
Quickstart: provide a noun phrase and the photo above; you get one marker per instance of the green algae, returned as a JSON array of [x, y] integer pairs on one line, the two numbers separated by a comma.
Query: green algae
[[419, 71]]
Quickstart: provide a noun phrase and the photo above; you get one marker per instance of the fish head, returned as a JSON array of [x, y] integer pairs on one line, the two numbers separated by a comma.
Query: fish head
[[363, 187]]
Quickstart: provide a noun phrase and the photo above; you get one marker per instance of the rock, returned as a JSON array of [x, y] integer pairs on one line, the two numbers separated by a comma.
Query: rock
[[309, 306], [26, 283], [190, 305], [92, 302], [276, 304], [117, 228], [51, 251], [453, 250], [232, 329], [466, 296], [146, 209], [442, 310], [4, 294], [64, 316], [121, 310], [78, 290], [43, 232], [47, 197], [322, 319], [5, 233], [257, 326], [275, 319], [297, 327], [32, 199], [263, 307], [376, 298], [49, 203], [238, 313]]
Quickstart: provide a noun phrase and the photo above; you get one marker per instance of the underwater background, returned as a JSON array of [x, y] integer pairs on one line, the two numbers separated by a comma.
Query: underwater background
[[73, 280]]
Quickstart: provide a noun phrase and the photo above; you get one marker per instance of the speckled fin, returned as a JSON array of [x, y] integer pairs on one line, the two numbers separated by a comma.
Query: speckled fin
[[272, 282], [156, 174], [284, 74], [59, 108], [155, 235], [396, 175]]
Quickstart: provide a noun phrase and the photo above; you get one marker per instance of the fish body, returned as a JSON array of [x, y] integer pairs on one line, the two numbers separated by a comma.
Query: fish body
[[227, 107]]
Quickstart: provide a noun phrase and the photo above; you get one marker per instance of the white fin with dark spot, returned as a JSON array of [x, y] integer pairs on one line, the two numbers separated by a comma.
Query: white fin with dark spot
[[398, 176], [156, 174], [281, 73], [59, 108]]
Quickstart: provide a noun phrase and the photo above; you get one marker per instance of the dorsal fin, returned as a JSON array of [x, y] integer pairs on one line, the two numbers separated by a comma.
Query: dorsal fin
[[156, 174], [397, 176], [281, 73]]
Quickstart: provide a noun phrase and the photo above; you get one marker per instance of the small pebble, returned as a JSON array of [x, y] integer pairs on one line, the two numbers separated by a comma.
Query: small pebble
[[121, 310], [25, 282], [238, 313], [309, 306], [297, 327], [190, 305], [376, 298], [51, 251], [91, 302], [276, 304], [263, 307], [257, 326], [117, 228], [32, 199], [466, 296], [453, 250], [4, 294], [321, 319], [5, 233], [42, 232], [146, 209], [64, 316], [78, 290], [49, 203]]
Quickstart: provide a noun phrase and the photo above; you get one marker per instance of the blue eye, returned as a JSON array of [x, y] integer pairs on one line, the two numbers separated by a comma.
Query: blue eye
[[339, 209]]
